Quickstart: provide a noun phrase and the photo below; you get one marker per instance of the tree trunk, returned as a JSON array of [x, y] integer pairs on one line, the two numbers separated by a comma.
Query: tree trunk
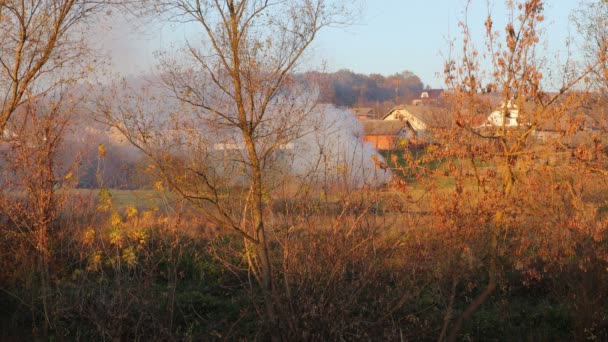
[[261, 250], [499, 225]]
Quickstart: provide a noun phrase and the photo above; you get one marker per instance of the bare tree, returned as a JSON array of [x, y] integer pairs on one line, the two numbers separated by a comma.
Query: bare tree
[[32, 196], [40, 48], [591, 22], [43, 53], [239, 86]]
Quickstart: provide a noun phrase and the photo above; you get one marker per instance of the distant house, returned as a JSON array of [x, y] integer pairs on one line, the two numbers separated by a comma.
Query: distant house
[[363, 113], [7, 135], [5, 138], [386, 135], [432, 94], [425, 119], [578, 119], [415, 118], [507, 112], [571, 128], [422, 117], [428, 96]]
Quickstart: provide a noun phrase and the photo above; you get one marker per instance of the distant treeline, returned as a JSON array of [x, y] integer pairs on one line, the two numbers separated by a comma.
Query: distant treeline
[[346, 88]]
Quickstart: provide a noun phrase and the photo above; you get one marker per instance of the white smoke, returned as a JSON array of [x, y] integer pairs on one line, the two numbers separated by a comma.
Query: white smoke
[[318, 144], [335, 153]]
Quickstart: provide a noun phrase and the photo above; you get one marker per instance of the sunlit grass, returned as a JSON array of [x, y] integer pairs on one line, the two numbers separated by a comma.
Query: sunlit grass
[[143, 199]]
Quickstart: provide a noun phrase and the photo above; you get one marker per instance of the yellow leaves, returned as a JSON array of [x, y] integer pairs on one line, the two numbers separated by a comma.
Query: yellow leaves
[[129, 257], [159, 186], [101, 150], [130, 229], [89, 237], [115, 220], [131, 212], [104, 201], [402, 143], [69, 176], [94, 262], [116, 237], [125, 237], [138, 236]]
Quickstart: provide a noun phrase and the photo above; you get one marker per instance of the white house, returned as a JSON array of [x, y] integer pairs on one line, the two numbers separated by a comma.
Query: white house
[[509, 112], [7, 135]]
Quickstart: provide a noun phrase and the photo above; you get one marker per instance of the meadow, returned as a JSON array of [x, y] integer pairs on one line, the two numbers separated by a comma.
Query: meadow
[[394, 262]]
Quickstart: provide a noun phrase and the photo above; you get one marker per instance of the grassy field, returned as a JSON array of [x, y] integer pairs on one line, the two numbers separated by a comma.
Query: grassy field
[[121, 199], [392, 262]]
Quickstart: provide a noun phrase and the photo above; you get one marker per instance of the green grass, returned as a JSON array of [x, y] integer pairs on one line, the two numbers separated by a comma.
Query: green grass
[[143, 199]]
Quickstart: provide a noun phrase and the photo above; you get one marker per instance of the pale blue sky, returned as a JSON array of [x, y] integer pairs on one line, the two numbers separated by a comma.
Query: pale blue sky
[[396, 35], [389, 37]]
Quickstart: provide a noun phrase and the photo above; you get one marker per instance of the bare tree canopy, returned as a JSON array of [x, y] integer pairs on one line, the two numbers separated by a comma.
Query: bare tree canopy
[[590, 20], [241, 83], [39, 48], [251, 47]]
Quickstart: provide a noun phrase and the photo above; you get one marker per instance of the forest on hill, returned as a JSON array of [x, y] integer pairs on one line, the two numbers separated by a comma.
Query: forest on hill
[[349, 89]]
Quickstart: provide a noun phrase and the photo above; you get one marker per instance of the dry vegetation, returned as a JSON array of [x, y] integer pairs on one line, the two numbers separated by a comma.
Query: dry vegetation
[[483, 235]]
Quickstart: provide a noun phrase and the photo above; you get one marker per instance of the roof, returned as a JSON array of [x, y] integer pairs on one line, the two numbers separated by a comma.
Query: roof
[[358, 111], [432, 93], [429, 115], [556, 119], [393, 110], [7, 135], [571, 121], [381, 127]]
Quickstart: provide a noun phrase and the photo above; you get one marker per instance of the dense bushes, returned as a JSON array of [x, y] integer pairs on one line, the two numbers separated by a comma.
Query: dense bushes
[[349, 273]]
